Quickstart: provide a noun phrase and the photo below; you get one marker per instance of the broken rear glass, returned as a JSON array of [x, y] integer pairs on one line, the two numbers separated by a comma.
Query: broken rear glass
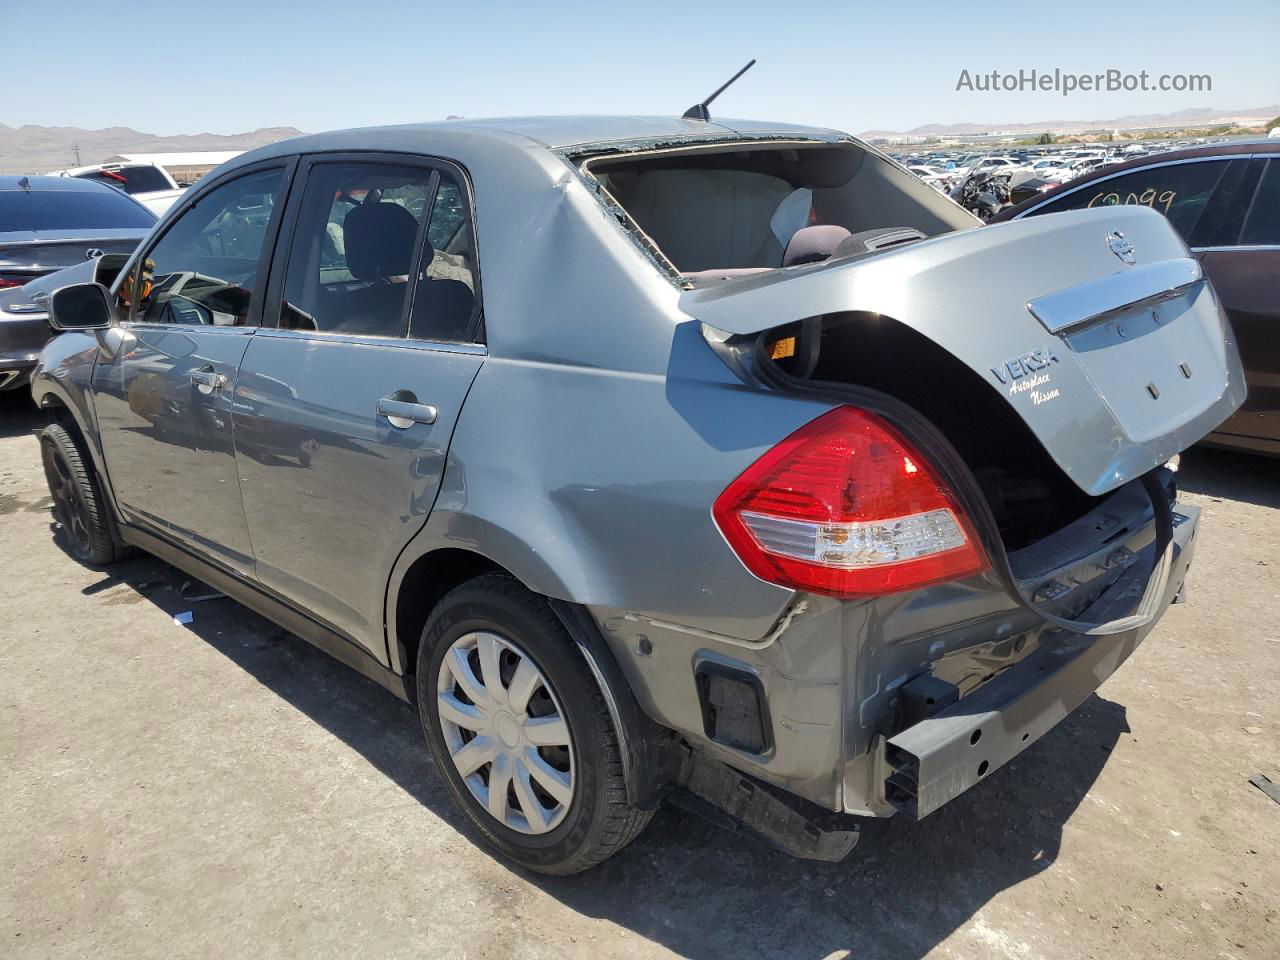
[[739, 207]]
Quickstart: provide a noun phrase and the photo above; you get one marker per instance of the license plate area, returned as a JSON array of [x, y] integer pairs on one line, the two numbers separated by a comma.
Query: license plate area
[[1156, 365]]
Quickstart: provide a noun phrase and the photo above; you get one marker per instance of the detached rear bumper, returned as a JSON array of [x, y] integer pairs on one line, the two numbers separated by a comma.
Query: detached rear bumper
[[940, 757]]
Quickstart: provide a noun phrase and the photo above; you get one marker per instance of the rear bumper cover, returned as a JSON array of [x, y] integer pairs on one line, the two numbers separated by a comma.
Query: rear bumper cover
[[940, 757]]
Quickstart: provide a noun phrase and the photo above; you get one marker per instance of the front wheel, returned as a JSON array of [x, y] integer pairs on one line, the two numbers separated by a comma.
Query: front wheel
[[520, 730], [78, 504]]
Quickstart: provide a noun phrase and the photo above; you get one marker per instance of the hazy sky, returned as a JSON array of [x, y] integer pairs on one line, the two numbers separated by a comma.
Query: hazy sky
[[232, 65]]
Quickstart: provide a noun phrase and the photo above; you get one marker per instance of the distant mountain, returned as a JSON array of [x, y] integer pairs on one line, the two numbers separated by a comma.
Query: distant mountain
[[1195, 117], [33, 149]]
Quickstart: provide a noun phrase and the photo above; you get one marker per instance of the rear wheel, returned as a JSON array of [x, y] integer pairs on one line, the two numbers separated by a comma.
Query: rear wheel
[[520, 730], [78, 504]]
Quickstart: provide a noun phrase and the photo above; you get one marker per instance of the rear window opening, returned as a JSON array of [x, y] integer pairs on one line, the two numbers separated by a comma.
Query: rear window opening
[[715, 213], [48, 210], [1027, 491]]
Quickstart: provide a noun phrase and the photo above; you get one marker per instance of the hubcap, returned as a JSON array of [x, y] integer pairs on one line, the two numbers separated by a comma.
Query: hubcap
[[505, 732]]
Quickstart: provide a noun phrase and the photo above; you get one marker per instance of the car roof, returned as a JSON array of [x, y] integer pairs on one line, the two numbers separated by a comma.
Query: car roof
[[1234, 149], [61, 184], [112, 165], [568, 131], [552, 132]]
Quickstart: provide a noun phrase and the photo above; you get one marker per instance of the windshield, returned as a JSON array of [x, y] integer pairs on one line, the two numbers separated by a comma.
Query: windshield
[[47, 210]]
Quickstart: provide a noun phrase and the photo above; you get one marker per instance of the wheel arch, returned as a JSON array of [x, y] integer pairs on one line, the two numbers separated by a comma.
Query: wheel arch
[[421, 583], [448, 549], [70, 407]]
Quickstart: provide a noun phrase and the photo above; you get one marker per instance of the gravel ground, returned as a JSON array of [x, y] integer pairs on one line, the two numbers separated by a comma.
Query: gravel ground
[[222, 789]]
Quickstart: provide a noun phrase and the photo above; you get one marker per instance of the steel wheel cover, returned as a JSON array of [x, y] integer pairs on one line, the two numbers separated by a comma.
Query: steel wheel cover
[[506, 732]]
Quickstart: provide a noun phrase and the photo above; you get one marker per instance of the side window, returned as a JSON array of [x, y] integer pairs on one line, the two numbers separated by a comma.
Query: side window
[[352, 258], [1219, 224], [204, 268], [1180, 191], [444, 302], [1262, 223]]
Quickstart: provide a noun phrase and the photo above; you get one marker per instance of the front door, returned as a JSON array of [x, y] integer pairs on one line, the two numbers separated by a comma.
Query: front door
[[344, 412], [189, 307]]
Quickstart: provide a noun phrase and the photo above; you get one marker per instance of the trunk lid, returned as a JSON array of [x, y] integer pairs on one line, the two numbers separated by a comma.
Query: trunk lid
[[1095, 326], [28, 254]]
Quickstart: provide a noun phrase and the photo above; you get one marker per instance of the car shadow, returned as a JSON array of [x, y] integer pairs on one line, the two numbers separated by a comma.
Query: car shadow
[[1231, 475], [18, 414], [684, 883]]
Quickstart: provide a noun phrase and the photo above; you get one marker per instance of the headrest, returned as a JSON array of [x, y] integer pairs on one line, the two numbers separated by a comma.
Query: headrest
[[877, 239], [379, 240], [811, 244]]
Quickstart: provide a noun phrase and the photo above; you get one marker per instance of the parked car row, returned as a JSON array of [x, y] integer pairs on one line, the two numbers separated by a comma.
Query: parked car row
[[1055, 163], [658, 459]]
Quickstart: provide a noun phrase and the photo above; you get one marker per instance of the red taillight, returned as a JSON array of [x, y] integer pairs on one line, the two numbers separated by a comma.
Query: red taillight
[[5, 282], [845, 507]]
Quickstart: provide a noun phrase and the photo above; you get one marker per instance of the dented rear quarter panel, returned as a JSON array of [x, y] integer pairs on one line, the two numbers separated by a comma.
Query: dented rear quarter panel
[[601, 426]]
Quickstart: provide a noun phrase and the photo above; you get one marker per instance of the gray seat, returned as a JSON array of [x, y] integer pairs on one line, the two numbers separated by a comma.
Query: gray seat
[[378, 240], [441, 307]]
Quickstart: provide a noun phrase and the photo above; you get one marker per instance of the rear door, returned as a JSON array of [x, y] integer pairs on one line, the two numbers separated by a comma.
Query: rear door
[[1242, 258], [344, 411], [191, 303]]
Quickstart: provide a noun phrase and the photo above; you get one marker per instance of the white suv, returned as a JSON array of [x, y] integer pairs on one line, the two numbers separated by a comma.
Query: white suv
[[149, 184]]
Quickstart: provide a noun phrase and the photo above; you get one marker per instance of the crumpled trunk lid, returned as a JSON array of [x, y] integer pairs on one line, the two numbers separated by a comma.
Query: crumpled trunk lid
[[1095, 326]]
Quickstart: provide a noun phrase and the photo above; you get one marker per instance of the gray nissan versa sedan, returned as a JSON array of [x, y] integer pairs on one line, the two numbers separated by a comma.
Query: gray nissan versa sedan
[[722, 462]]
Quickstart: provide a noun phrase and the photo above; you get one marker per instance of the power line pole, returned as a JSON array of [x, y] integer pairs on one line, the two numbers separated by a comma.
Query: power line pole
[[76, 148]]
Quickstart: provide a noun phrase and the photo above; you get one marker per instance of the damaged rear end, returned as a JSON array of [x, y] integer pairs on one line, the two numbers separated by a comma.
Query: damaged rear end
[[982, 526], [1040, 378]]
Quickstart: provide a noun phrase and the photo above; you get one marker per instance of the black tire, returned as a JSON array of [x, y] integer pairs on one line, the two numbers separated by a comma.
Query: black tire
[[598, 821], [78, 504]]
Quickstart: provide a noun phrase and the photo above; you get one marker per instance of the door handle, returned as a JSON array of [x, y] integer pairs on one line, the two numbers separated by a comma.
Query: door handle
[[208, 379], [405, 413]]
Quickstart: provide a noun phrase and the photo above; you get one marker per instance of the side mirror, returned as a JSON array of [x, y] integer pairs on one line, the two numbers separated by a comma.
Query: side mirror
[[81, 306]]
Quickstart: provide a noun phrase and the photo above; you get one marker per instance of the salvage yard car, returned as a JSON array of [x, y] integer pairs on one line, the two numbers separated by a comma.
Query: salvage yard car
[[543, 425]]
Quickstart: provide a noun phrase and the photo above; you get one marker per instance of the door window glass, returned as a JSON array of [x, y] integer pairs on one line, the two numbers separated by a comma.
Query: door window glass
[[1179, 191], [354, 249], [204, 268], [1262, 224], [444, 301]]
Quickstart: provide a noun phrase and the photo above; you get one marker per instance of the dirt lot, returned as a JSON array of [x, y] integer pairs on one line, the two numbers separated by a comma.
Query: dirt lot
[[222, 789]]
